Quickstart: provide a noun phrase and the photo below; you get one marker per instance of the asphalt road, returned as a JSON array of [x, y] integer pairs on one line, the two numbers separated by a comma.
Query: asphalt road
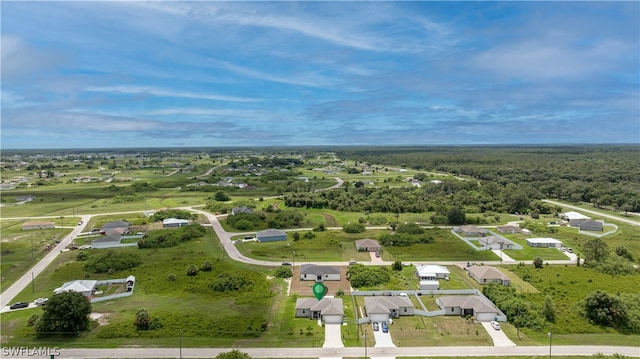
[[352, 352], [25, 280], [599, 214]]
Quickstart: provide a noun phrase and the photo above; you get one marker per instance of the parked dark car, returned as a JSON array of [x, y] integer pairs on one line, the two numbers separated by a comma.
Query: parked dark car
[[385, 328], [19, 305], [286, 263]]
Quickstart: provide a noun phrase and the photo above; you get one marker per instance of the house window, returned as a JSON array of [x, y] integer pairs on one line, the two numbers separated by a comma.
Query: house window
[[405, 310], [303, 311], [452, 309]]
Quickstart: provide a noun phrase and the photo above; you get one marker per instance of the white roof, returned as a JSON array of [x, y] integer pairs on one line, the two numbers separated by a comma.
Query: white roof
[[430, 270], [77, 286], [574, 215], [543, 240], [174, 220]]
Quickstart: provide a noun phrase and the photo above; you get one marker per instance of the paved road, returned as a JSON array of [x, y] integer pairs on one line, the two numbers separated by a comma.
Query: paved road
[[600, 214], [353, 352], [7, 296]]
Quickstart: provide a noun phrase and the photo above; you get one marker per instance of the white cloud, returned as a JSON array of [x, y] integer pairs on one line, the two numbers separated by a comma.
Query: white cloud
[[145, 90]]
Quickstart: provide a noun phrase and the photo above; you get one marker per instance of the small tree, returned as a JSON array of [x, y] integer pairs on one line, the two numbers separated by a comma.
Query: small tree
[[549, 310], [143, 319], [296, 236], [397, 266], [456, 216], [537, 262], [192, 270], [65, 314]]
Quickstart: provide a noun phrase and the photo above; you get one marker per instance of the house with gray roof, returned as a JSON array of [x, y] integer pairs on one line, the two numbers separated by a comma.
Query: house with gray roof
[[470, 231], [367, 245], [329, 310], [86, 287], [488, 274], [478, 306], [380, 309], [509, 229], [243, 209], [319, 273], [271, 235], [590, 225]]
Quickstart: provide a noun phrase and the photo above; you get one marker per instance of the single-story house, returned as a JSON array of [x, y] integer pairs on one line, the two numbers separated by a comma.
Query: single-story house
[[544, 242], [243, 209], [174, 222], [319, 273], [509, 229], [478, 306], [271, 235], [330, 310], [38, 225], [471, 231], [121, 226], [111, 239], [380, 309], [86, 287], [488, 274], [494, 242], [574, 218], [367, 245], [590, 225], [432, 272], [429, 285]]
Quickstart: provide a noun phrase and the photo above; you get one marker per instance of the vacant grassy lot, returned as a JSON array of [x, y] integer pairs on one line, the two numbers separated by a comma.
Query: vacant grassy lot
[[22, 249], [568, 285]]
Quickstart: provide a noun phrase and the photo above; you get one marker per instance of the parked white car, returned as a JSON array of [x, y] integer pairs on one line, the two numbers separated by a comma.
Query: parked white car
[[40, 301], [495, 325]]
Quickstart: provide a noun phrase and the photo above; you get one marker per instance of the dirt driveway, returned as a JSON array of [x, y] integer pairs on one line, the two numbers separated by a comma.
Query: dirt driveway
[[304, 288]]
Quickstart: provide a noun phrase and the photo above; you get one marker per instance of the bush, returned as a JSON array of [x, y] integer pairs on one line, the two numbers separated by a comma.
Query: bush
[[192, 270], [354, 228], [367, 276], [284, 272], [206, 266], [171, 277], [112, 260], [226, 282]]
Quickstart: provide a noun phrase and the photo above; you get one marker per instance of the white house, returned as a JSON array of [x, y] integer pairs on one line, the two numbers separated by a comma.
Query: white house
[[429, 285], [494, 242], [432, 272], [574, 218], [174, 222], [319, 273], [86, 287], [590, 225], [329, 310], [544, 242], [38, 225]]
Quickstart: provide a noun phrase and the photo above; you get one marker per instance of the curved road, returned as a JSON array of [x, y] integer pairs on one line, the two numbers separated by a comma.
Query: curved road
[[617, 218]]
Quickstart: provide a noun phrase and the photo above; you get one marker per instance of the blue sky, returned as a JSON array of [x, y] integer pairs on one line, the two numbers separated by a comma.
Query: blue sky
[[177, 74]]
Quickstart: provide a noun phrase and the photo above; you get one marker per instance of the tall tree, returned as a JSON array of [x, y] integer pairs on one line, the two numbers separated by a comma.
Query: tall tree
[[65, 314], [456, 216], [595, 250]]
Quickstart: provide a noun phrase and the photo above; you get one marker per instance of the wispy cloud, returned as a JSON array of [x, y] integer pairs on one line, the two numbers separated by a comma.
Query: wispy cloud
[[144, 90]]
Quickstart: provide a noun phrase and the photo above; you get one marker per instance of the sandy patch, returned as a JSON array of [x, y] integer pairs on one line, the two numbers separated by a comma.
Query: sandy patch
[[100, 317]]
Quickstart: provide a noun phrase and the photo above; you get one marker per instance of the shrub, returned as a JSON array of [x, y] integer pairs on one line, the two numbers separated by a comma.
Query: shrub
[[354, 228], [206, 266], [537, 262], [192, 270], [226, 282], [112, 260], [284, 272], [171, 277]]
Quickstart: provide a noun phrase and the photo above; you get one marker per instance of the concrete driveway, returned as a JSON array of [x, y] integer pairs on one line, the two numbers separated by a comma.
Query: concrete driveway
[[383, 340], [499, 338], [332, 336]]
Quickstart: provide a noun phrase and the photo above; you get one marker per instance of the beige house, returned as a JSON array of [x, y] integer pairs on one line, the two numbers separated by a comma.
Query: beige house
[[488, 274], [38, 225], [367, 245], [329, 310]]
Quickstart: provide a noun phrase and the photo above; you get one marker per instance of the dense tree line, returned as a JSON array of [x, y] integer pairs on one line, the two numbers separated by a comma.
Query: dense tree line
[[602, 175], [450, 199]]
